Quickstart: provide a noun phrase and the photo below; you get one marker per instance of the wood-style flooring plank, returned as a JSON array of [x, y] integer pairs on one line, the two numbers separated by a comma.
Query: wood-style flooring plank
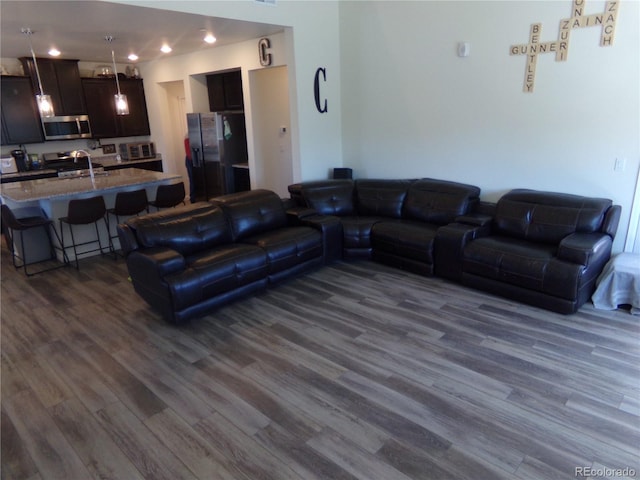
[[46, 444], [15, 461], [141, 446], [92, 444], [244, 452], [355, 370]]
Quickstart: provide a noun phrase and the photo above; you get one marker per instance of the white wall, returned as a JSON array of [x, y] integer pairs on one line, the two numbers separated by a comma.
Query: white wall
[[412, 108], [270, 112], [310, 40]]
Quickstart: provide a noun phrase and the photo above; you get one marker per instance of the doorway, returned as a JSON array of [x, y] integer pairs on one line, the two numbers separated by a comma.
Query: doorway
[[174, 144], [271, 121]]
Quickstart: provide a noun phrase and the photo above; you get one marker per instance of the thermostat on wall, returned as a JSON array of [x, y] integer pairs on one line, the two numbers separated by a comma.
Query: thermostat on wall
[[464, 49]]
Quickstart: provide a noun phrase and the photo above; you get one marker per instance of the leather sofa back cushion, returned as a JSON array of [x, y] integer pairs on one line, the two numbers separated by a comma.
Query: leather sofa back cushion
[[439, 201], [381, 197], [329, 197], [253, 212], [187, 233], [548, 217]]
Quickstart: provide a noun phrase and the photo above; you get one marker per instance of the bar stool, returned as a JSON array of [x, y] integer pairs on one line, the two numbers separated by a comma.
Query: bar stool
[[84, 212], [168, 196], [12, 226], [128, 204]]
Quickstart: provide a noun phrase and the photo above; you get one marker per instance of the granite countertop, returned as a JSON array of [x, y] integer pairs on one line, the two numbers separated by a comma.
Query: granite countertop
[[104, 160], [61, 188], [111, 160]]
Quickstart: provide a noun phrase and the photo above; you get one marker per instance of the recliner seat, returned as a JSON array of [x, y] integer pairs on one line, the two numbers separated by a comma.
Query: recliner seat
[[542, 248]]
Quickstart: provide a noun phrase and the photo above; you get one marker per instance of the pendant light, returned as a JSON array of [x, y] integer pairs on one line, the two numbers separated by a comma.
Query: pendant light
[[45, 106], [122, 106]]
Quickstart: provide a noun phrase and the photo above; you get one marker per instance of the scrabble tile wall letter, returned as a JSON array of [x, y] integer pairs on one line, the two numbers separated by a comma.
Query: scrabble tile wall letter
[[606, 20]]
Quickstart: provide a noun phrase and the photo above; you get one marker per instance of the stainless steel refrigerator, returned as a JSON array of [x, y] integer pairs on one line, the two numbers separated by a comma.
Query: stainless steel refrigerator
[[218, 141]]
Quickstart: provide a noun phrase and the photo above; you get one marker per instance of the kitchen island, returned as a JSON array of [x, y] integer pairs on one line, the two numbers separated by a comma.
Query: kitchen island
[[108, 162], [52, 196]]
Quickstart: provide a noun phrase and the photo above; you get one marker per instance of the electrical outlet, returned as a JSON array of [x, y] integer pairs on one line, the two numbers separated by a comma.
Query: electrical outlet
[[619, 164]]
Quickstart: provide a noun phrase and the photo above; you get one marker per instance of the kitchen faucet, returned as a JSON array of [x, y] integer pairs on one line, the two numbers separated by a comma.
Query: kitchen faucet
[[75, 160]]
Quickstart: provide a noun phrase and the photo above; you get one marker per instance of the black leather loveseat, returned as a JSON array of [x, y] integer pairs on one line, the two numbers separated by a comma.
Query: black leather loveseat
[[187, 261], [541, 248], [391, 221]]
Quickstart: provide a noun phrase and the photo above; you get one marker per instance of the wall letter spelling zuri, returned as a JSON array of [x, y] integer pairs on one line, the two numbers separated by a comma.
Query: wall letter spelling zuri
[[316, 89]]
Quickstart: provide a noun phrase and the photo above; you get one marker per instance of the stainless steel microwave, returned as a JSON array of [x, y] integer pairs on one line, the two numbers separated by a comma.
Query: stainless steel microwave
[[66, 127]]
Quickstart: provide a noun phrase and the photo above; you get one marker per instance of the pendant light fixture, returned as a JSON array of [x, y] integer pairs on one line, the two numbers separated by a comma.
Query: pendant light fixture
[[45, 106], [122, 106]]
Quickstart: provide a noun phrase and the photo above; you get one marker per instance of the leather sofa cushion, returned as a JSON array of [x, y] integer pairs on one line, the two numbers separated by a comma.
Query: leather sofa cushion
[[253, 212], [216, 271], [524, 264], [405, 238], [329, 197], [546, 216], [439, 201], [382, 198], [288, 247], [186, 230], [356, 231]]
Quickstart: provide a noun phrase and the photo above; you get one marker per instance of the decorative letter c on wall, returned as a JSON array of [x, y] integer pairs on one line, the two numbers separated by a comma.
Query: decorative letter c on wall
[[265, 58], [316, 89]]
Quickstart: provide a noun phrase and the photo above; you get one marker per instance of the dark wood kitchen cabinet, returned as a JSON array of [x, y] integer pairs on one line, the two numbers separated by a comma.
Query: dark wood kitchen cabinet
[[99, 97], [225, 91], [19, 112], [137, 122], [61, 80]]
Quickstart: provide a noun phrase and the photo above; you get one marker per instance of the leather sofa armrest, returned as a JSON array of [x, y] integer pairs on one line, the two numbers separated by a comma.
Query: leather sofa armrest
[[331, 228], [288, 203], [449, 246], [296, 214], [154, 263], [475, 219], [128, 239], [584, 248], [611, 220]]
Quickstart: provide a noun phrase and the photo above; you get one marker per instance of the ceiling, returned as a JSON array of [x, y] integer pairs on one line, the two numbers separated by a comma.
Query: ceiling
[[78, 28]]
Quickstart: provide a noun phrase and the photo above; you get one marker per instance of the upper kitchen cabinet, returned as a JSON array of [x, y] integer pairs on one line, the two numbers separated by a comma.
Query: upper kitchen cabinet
[[137, 122], [225, 91], [99, 97], [61, 80], [20, 117]]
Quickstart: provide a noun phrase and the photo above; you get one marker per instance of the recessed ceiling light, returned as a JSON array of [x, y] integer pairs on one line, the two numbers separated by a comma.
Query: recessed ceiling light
[[209, 38], [165, 48], [133, 57], [54, 52]]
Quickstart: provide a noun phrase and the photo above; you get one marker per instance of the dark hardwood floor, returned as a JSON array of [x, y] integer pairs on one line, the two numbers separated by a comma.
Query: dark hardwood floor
[[352, 371]]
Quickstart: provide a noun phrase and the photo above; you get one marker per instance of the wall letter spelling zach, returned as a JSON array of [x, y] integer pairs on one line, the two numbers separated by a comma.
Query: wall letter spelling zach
[[316, 89]]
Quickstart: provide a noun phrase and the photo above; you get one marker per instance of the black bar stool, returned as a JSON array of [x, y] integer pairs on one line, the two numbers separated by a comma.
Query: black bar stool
[[168, 196], [84, 212], [128, 204], [12, 226]]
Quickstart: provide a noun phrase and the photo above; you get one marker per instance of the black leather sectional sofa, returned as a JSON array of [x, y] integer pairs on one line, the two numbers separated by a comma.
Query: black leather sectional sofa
[[541, 248]]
